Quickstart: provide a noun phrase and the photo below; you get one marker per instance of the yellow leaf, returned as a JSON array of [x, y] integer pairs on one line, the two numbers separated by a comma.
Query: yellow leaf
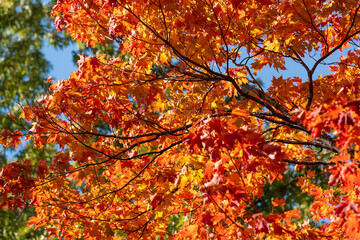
[[163, 58], [159, 214], [213, 105]]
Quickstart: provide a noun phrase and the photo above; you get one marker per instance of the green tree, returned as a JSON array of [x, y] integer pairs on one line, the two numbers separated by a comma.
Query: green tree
[[26, 27]]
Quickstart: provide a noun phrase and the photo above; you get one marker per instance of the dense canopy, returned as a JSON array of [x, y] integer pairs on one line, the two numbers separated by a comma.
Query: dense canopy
[[177, 137]]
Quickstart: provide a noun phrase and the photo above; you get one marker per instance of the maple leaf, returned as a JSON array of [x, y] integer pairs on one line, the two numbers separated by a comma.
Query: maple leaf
[[112, 3], [345, 207], [239, 112], [341, 173], [9, 138], [155, 199], [216, 180], [207, 219], [262, 225], [59, 23], [278, 202], [190, 232]]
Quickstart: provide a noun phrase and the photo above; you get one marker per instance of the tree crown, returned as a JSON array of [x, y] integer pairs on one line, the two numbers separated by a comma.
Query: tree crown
[[177, 137]]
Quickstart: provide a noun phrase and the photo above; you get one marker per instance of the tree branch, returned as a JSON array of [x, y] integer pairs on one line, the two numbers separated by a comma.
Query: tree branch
[[308, 162]]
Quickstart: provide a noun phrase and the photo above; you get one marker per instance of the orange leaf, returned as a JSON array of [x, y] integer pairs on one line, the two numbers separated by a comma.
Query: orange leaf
[[278, 202], [240, 113]]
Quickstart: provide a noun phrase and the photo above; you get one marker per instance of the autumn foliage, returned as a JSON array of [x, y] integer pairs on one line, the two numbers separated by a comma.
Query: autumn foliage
[[178, 129]]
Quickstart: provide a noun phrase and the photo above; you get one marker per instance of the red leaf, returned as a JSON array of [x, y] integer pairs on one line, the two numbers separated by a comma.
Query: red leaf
[[345, 207], [207, 219], [262, 225], [155, 200], [59, 23]]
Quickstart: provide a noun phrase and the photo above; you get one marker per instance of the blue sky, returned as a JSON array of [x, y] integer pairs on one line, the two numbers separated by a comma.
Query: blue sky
[[61, 61]]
